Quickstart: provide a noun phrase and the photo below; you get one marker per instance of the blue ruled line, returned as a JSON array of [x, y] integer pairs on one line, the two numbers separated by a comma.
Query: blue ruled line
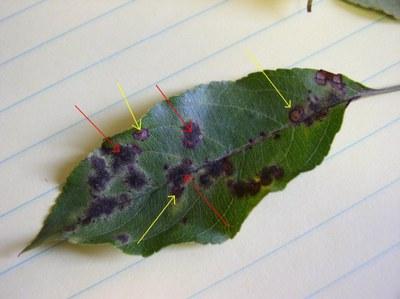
[[367, 263], [297, 238], [33, 48], [21, 11], [217, 52], [111, 56]]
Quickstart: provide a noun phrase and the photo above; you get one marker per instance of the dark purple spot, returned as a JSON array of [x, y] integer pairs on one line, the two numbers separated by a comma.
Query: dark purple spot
[[99, 207], [321, 77], [296, 115], [99, 180], [123, 238], [136, 178], [175, 177], [277, 172], [165, 166], [253, 187], [98, 163], [141, 135], [269, 173], [265, 176], [193, 137], [239, 188], [126, 156], [315, 106], [242, 188], [205, 180], [263, 134], [250, 140]]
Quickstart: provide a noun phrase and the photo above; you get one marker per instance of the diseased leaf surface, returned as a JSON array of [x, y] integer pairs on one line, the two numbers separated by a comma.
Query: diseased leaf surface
[[243, 145], [390, 7]]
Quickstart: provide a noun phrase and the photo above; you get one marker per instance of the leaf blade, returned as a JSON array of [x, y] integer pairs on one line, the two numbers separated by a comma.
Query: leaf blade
[[233, 176]]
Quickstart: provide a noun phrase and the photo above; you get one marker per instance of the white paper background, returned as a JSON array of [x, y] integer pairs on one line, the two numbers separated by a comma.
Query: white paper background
[[334, 232]]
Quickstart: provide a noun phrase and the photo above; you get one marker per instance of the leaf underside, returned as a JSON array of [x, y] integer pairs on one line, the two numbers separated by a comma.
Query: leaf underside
[[243, 144], [390, 7]]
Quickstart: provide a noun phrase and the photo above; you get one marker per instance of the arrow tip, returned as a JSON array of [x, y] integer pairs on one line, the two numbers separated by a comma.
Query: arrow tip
[[173, 198], [138, 125], [288, 104]]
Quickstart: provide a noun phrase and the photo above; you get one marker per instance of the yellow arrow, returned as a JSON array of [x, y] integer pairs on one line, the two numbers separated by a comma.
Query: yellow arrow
[[253, 58], [137, 125], [159, 215]]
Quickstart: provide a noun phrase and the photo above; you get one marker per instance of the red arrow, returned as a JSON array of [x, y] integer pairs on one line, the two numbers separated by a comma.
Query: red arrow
[[187, 126], [209, 204], [116, 147]]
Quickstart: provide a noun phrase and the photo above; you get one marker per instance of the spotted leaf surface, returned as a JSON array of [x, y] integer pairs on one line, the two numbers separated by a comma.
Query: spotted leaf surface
[[242, 144]]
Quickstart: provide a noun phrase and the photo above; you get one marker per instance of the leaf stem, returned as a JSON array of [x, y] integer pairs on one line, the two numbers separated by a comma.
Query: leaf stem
[[373, 92], [309, 5]]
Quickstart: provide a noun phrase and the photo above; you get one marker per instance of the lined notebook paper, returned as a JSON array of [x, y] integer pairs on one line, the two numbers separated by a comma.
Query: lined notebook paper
[[333, 232]]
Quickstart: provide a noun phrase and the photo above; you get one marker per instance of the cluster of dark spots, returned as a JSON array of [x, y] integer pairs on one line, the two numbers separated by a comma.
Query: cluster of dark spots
[[252, 186], [135, 178], [99, 207], [243, 188], [215, 169], [141, 135], [269, 173], [123, 238], [176, 175], [335, 80], [296, 114], [103, 206], [191, 137], [99, 179], [126, 156]]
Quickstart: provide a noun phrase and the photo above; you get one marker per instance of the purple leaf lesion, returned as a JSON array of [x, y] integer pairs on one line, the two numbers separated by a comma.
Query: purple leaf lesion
[[193, 137], [175, 177]]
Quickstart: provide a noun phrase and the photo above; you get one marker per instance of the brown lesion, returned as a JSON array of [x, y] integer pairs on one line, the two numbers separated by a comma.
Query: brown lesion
[[252, 186]]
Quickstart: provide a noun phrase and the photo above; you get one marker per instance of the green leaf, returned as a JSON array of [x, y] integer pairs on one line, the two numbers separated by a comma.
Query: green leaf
[[242, 145], [390, 7]]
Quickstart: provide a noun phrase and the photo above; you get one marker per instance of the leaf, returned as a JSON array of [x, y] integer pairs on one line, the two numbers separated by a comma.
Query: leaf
[[242, 144], [390, 7]]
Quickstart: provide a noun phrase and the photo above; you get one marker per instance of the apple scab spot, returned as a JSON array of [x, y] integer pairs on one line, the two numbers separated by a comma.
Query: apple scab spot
[[136, 178], [269, 173], [123, 238], [176, 175], [141, 135], [126, 156], [99, 207], [101, 177], [192, 137], [321, 77], [242, 188], [296, 115]]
